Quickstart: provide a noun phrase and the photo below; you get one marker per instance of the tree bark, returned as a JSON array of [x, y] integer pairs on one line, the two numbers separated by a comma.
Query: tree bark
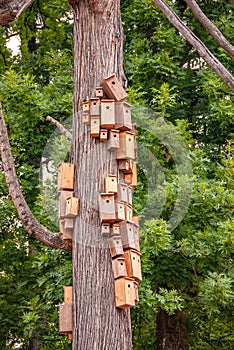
[[171, 331], [187, 33], [12, 9], [212, 29], [98, 52]]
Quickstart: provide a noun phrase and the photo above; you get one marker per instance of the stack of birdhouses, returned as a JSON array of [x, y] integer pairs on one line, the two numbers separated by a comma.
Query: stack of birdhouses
[[109, 117], [65, 313]]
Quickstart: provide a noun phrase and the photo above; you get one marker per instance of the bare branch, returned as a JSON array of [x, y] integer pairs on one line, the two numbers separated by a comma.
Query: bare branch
[[12, 9], [63, 130], [212, 29], [203, 51], [32, 226]]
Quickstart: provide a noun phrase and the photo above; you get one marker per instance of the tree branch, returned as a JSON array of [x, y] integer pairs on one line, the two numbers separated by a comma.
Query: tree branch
[[32, 226], [12, 9], [212, 29], [203, 51], [63, 130]]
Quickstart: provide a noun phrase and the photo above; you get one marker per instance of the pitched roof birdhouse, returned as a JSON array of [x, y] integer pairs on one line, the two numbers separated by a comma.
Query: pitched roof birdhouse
[[124, 292], [123, 120], [133, 264], [65, 176], [72, 207], [119, 267], [105, 230], [126, 149], [107, 114], [94, 110], [111, 184], [95, 127], [113, 88], [103, 134], [65, 318], [116, 248], [107, 207], [113, 142]]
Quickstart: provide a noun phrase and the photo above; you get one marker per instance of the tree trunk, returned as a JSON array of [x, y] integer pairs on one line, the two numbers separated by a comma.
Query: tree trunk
[[98, 52], [171, 331]]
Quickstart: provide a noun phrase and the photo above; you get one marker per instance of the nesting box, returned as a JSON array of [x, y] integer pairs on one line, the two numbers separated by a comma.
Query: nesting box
[[99, 92], [119, 268], [125, 166], [94, 109], [122, 192], [107, 207], [86, 118], [67, 235], [113, 88], [111, 184], [85, 107], [133, 264], [95, 126], [107, 114], [130, 236], [128, 178], [126, 149], [65, 318], [113, 142], [120, 211], [123, 120], [128, 212], [67, 294], [105, 230], [116, 248], [115, 230], [136, 219], [68, 224], [103, 134], [62, 198], [72, 207], [129, 189], [136, 292], [65, 176], [124, 292], [134, 175]]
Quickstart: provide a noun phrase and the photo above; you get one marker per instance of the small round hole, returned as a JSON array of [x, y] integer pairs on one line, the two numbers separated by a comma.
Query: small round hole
[[129, 139], [114, 135], [123, 189], [112, 180], [107, 107], [134, 258], [130, 229], [126, 111], [113, 82], [121, 264], [129, 286], [117, 242], [95, 103], [107, 201]]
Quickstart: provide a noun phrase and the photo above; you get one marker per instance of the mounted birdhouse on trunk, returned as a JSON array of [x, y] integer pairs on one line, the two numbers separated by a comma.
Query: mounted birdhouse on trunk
[[113, 142], [107, 207], [62, 200], [124, 292], [126, 150], [99, 92], [103, 134], [122, 194], [65, 318], [113, 88], [115, 230], [133, 264], [95, 127], [130, 236], [94, 107], [119, 267], [120, 211], [111, 184], [123, 120], [67, 294], [65, 176], [106, 230], [107, 114], [126, 166], [72, 207], [116, 248]]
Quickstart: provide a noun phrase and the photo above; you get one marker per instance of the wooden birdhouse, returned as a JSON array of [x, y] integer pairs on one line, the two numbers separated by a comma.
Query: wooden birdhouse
[[99, 92], [111, 184], [105, 230], [107, 114], [107, 207], [120, 211], [113, 88], [134, 175], [122, 192], [68, 224], [136, 219], [124, 292], [128, 212], [65, 176], [62, 197], [95, 127], [103, 134], [115, 230], [128, 178], [85, 107], [72, 207], [125, 166], [136, 286], [123, 120], [126, 149], [133, 264], [113, 142], [116, 248], [67, 294], [94, 110], [86, 118], [65, 318], [129, 189], [130, 236], [119, 267]]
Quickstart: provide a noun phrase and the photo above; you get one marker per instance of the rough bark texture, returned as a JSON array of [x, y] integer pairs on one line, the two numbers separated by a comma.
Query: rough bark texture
[[171, 331], [12, 9], [212, 29], [208, 57], [98, 45], [31, 225]]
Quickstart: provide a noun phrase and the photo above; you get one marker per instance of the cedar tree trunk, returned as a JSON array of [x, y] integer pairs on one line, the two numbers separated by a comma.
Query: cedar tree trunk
[[171, 331], [98, 52]]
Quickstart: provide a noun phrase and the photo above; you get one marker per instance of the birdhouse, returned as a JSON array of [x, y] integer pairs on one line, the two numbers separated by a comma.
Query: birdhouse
[[107, 207], [105, 230], [113, 88], [130, 236], [116, 248], [128, 212], [65, 176], [124, 292], [67, 294], [95, 127], [129, 189], [136, 292], [72, 207], [126, 149], [123, 120], [67, 232], [85, 107], [120, 211], [119, 267], [125, 166], [107, 114], [65, 318], [133, 264], [99, 92], [85, 118], [136, 219], [134, 175], [128, 178], [62, 197], [115, 230], [103, 134], [113, 142], [94, 110], [68, 224], [111, 184], [122, 192]]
